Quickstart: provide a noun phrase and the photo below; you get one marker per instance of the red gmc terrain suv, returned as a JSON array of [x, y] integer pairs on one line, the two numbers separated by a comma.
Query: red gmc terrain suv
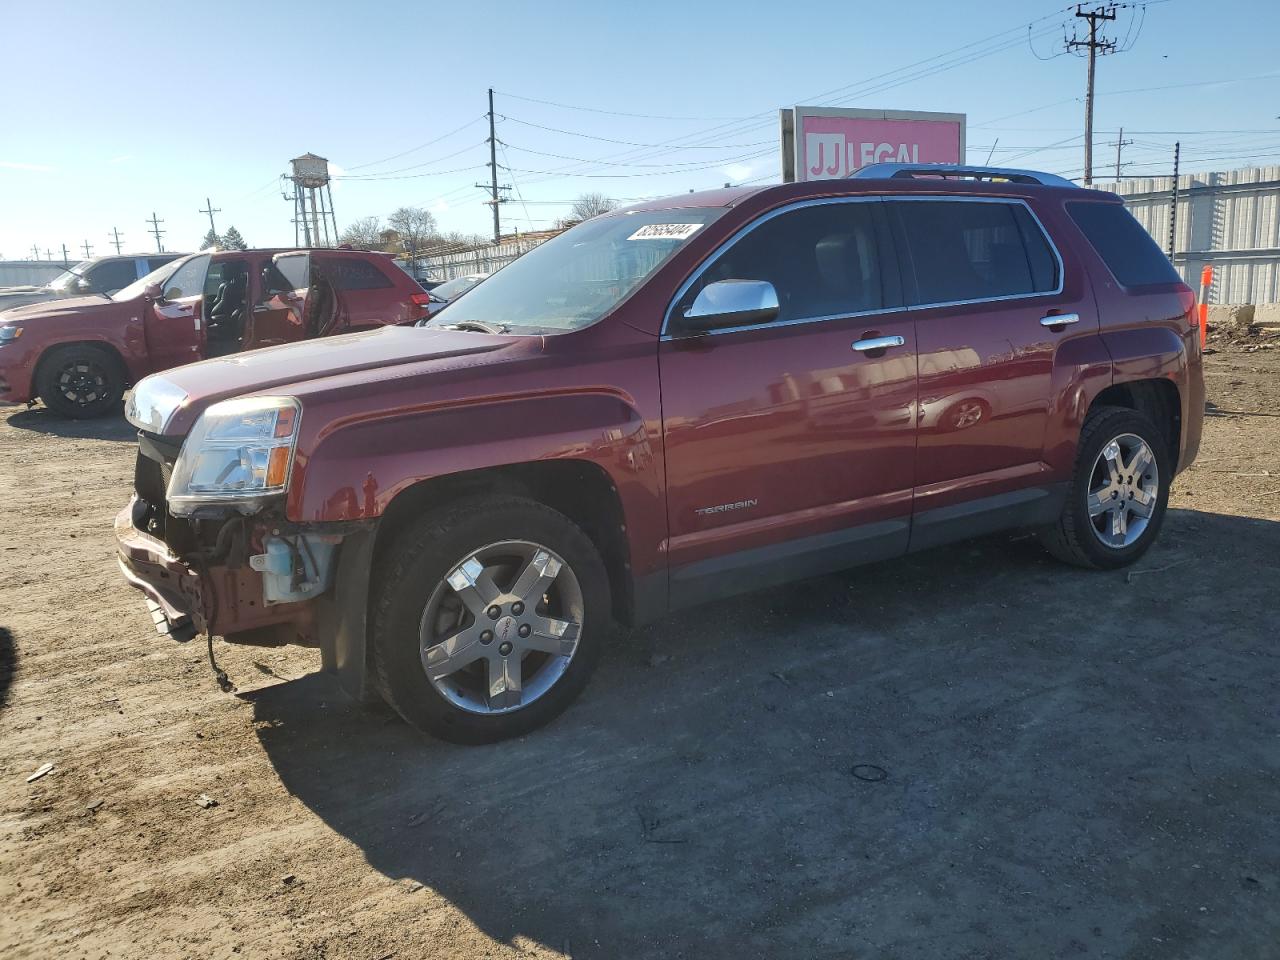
[[678, 401], [78, 355]]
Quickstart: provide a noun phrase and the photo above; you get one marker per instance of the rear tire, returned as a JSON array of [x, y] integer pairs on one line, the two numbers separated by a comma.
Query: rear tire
[[81, 381], [488, 619], [1118, 495]]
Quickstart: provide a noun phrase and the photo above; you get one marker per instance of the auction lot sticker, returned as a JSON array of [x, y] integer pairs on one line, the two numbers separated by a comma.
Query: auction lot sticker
[[666, 231]]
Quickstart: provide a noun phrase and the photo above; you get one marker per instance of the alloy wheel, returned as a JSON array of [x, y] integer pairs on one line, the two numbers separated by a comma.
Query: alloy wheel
[[502, 627], [83, 382], [1124, 488]]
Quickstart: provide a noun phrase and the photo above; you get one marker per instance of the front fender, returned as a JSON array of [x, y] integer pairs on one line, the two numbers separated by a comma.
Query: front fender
[[356, 469]]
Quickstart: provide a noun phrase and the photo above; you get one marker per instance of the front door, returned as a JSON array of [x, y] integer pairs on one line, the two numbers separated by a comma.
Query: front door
[[790, 445], [279, 311], [981, 276], [173, 321]]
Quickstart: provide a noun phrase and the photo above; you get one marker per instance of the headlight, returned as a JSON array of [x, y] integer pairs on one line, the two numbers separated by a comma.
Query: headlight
[[10, 333], [153, 402], [238, 454]]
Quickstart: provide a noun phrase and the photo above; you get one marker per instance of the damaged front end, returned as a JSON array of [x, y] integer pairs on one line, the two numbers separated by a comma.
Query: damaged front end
[[205, 539]]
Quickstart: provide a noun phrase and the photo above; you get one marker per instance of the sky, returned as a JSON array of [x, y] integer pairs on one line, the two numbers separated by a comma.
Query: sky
[[116, 111]]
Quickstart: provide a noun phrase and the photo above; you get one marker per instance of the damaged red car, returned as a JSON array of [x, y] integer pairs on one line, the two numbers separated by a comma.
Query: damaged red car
[[684, 400]]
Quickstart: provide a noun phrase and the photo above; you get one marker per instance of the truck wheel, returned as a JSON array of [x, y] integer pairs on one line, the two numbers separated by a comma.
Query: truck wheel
[[81, 381], [1118, 494], [488, 618]]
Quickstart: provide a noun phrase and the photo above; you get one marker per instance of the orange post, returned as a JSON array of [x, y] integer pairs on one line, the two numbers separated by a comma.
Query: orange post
[[1206, 281]]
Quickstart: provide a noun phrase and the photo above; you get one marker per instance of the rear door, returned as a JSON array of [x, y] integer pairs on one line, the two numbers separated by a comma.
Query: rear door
[[790, 445], [984, 282], [174, 322], [279, 310]]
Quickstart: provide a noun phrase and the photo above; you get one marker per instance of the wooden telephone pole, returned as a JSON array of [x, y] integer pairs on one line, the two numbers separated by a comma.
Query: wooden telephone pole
[[1096, 48]]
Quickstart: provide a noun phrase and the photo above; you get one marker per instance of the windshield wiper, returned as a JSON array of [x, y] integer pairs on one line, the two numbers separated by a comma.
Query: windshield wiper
[[477, 326]]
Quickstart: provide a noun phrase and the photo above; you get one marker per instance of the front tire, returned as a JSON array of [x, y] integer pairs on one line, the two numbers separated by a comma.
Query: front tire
[[1118, 495], [81, 382], [489, 618]]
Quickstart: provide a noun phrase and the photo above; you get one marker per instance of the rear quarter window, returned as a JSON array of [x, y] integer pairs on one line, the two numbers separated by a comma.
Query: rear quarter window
[[1130, 254], [348, 273]]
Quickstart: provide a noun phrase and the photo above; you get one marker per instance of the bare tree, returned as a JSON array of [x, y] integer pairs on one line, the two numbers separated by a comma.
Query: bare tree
[[590, 205], [363, 234], [415, 225]]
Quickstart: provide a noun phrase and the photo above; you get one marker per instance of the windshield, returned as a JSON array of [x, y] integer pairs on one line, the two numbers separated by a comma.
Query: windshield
[[573, 280], [455, 287], [65, 281], [158, 275]]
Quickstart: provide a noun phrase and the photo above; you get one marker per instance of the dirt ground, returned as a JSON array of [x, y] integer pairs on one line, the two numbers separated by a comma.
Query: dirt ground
[[969, 753]]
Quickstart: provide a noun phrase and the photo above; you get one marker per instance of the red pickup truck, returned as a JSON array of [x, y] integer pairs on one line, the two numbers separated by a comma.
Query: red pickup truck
[[79, 355]]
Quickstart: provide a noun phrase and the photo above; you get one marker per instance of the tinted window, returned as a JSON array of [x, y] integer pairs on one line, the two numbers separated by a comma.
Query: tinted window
[[187, 280], [112, 275], [1127, 250], [963, 250], [155, 263], [822, 260], [349, 273]]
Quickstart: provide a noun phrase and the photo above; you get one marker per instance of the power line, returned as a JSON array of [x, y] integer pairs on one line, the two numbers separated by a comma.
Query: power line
[[421, 146], [612, 113]]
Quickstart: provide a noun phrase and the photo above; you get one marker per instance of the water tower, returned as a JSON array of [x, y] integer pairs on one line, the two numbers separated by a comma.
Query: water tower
[[314, 224]]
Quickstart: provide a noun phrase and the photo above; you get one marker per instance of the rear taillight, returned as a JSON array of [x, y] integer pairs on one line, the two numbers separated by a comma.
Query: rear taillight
[[1193, 313], [420, 301]]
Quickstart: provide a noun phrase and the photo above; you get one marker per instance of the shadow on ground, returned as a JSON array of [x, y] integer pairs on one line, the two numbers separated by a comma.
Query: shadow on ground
[[1074, 763], [44, 420], [8, 664]]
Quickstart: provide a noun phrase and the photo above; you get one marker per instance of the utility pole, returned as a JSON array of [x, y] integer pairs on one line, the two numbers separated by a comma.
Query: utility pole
[[1121, 143], [35, 252], [66, 261], [1095, 16], [48, 255], [115, 239], [88, 250], [1173, 198], [156, 231], [210, 209], [495, 196]]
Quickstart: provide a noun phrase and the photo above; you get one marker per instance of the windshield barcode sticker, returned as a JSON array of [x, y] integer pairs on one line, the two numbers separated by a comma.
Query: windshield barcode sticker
[[666, 231]]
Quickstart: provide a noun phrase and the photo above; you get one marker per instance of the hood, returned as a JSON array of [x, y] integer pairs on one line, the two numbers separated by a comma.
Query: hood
[[169, 402], [54, 308]]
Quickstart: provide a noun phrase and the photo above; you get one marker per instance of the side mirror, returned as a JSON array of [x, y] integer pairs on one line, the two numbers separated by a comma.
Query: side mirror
[[153, 291], [83, 285], [731, 303]]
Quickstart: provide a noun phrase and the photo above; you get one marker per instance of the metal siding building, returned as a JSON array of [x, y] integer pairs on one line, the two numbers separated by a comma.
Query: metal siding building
[[1230, 219]]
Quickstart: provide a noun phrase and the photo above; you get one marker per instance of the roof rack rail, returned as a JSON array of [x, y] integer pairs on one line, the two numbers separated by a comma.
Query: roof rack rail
[[893, 171]]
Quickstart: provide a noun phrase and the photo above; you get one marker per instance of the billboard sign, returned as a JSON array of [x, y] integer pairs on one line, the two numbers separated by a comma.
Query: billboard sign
[[825, 143]]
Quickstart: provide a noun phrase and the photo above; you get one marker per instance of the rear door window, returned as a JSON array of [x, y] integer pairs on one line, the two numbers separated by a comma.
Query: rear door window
[[824, 260], [1130, 254], [961, 250]]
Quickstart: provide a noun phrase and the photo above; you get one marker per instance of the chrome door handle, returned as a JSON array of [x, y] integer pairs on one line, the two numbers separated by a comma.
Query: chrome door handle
[[877, 343], [1059, 319]]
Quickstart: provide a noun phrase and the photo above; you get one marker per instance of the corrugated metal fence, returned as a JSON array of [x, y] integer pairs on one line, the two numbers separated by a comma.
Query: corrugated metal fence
[[1230, 219], [14, 273], [481, 259]]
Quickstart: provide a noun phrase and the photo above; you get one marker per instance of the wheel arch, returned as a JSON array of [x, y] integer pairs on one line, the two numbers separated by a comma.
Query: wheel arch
[[580, 489], [103, 346], [1156, 398]]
